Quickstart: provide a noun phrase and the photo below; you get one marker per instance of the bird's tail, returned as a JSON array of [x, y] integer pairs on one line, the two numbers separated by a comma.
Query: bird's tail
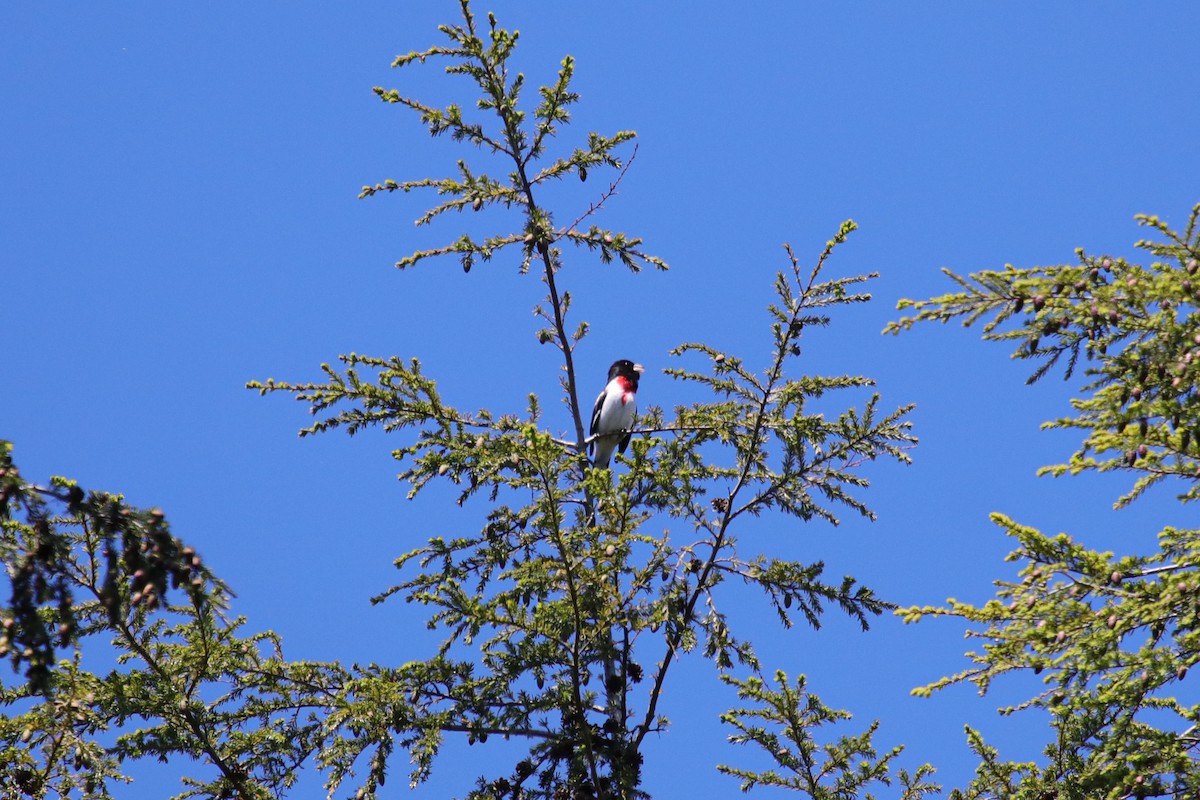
[[602, 451]]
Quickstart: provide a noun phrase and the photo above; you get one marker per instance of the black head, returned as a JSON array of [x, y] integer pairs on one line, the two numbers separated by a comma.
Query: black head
[[626, 369]]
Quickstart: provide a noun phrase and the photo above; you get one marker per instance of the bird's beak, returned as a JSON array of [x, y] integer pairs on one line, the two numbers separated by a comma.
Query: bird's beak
[[638, 368]]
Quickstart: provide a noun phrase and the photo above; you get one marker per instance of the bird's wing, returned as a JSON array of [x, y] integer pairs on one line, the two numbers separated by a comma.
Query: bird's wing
[[596, 411], [595, 415]]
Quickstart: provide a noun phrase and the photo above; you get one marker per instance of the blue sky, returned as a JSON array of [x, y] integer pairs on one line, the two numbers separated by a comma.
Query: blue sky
[[178, 213]]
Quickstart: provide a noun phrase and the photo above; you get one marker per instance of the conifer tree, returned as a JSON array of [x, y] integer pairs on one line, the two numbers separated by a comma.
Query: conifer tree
[[1111, 637], [565, 615]]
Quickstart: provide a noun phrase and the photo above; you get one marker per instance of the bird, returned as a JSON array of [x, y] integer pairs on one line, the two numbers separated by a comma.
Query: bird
[[615, 410]]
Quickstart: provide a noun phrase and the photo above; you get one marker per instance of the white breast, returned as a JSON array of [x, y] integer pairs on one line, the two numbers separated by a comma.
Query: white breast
[[618, 409]]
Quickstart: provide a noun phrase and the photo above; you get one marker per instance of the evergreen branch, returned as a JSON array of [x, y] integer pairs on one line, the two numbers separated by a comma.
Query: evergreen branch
[[761, 406], [781, 721], [41, 549], [1134, 327]]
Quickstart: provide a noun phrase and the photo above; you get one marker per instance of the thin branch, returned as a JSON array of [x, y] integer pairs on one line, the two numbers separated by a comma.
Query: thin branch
[[610, 192]]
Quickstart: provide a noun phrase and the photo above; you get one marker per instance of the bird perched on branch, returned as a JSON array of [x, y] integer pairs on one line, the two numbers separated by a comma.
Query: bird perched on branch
[[616, 407]]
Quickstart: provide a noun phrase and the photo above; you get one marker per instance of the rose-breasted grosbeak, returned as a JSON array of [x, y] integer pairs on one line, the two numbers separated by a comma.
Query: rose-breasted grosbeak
[[614, 412]]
